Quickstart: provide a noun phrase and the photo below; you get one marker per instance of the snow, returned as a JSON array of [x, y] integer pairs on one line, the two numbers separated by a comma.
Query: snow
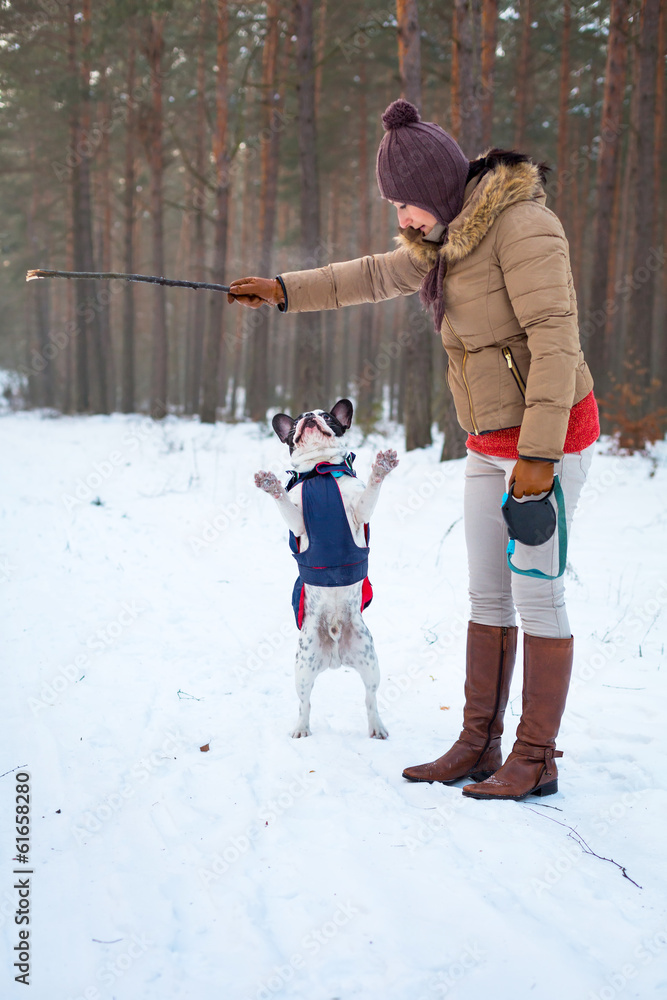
[[146, 587]]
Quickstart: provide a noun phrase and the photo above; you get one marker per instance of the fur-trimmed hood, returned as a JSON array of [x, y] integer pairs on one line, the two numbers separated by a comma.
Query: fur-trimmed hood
[[499, 179]]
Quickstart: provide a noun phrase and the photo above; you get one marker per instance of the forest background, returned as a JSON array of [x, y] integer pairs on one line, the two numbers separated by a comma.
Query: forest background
[[209, 141]]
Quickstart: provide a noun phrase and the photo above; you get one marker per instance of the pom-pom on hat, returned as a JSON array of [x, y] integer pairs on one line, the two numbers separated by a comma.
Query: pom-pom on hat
[[420, 164]]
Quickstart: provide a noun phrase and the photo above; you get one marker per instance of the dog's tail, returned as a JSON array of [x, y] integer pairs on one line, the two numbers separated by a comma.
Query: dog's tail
[[335, 628]]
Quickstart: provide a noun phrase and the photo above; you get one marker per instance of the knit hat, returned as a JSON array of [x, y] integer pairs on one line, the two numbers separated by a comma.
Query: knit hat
[[420, 164]]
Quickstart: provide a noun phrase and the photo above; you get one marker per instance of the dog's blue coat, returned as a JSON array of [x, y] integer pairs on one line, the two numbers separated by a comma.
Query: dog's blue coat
[[333, 558]]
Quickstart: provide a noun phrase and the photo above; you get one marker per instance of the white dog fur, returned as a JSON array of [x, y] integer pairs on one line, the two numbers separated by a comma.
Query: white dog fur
[[333, 632]]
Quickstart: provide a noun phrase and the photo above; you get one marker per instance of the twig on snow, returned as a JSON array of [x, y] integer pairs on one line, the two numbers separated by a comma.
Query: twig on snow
[[584, 846], [12, 769]]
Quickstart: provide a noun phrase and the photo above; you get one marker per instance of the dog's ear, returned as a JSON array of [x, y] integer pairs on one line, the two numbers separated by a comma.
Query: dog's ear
[[343, 411], [283, 425]]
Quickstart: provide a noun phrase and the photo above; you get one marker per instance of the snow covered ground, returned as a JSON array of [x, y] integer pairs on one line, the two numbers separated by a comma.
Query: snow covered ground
[[145, 591]]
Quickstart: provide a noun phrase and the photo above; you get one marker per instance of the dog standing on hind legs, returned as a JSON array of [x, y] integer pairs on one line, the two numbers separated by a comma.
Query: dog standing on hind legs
[[327, 511]]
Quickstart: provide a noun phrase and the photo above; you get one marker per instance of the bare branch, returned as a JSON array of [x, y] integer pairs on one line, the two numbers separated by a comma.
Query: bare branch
[[106, 275]]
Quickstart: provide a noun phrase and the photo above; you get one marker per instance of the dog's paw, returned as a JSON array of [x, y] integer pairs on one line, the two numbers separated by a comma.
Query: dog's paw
[[378, 732], [384, 462], [269, 482], [299, 732]]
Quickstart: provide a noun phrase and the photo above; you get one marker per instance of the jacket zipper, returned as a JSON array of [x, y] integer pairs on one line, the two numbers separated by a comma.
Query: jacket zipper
[[463, 372], [511, 364]]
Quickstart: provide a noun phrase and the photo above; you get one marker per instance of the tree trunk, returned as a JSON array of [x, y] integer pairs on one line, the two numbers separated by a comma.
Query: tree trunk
[[154, 50], [659, 362], [466, 55], [489, 43], [195, 333], [409, 50], [41, 386], [214, 378], [128, 404], [582, 189], [523, 72], [258, 383], [365, 312], [418, 349], [614, 322], [593, 330], [563, 187], [308, 382], [70, 315], [104, 256], [640, 311], [87, 354], [321, 42], [468, 42]]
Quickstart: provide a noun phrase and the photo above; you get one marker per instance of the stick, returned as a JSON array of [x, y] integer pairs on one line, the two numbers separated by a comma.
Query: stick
[[105, 275], [578, 839]]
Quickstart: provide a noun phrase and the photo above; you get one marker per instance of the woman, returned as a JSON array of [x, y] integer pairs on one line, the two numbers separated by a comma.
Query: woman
[[492, 262]]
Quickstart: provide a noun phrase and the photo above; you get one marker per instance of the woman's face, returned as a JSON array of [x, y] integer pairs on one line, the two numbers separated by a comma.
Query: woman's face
[[417, 218]]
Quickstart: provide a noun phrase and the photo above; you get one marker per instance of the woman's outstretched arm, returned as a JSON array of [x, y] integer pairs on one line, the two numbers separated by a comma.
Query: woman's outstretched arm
[[351, 282]]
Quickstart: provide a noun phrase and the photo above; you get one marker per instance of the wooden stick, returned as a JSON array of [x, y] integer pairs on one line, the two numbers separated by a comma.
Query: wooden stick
[[106, 275]]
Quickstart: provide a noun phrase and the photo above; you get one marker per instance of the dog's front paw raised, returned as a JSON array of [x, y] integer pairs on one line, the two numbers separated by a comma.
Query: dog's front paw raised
[[269, 482], [384, 462]]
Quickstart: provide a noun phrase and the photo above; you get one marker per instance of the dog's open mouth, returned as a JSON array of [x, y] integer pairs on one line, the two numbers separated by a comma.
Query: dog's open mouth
[[311, 424]]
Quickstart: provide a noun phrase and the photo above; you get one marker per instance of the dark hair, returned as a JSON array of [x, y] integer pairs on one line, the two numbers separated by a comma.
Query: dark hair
[[509, 157]]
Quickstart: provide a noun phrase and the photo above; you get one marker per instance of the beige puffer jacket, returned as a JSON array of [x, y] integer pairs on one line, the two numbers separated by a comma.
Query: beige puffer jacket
[[510, 323]]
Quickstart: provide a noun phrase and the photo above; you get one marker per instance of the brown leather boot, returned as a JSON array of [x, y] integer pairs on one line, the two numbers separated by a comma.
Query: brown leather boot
[[531, 769], [490, 656]]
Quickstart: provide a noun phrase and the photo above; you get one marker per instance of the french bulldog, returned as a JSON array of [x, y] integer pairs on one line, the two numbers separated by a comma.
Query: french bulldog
[[327, 510]]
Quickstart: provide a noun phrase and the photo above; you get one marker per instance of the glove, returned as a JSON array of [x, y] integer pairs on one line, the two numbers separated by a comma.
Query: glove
[[256, 292], [531, 478]]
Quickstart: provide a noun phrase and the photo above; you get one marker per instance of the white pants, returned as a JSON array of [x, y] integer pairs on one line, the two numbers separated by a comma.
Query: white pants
[[494, 590]]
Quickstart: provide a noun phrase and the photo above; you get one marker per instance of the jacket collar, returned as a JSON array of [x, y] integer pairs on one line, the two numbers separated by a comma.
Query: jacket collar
[[343, 468], [485, 197]]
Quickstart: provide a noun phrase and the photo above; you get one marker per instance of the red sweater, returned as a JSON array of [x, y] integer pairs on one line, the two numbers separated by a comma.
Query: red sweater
[[582, 430]]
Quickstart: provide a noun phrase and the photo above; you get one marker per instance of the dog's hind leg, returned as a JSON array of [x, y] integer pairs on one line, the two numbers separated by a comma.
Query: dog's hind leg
[[305, 672], [311, 660], [358, 650]]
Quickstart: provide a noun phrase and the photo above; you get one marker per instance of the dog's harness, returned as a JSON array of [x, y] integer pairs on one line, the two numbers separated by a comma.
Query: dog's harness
[[333, 558]]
